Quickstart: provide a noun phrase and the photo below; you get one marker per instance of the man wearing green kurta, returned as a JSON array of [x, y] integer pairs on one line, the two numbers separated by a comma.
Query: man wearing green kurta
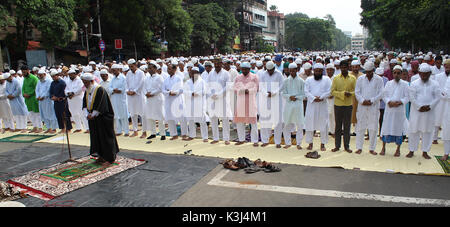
[[29, 93]]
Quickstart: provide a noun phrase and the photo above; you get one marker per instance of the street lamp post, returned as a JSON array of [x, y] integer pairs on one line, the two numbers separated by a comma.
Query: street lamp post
[[82, 38], [87, 41]]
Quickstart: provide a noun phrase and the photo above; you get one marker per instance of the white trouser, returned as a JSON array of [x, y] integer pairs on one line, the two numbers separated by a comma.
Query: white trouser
[[51, 124], [225, 128], [35, 119], [151, 125], [331, 121], [414, 139], [21, 121], [267, 132], [436, 133], [193, 129], [79, 122], [360, 135], [6, 123], [172, 128], [122, 125], [309, 136], [447, 147], [253, 135], [287, 132], [135, 122], [184, 126]]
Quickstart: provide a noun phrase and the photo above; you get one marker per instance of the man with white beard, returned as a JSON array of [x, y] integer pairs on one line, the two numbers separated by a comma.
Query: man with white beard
[[395, 95], [270, 100], [424, 95], [135, 82], [74, 92], [154, 108], [368, 93], [441, 79], [317, 90]]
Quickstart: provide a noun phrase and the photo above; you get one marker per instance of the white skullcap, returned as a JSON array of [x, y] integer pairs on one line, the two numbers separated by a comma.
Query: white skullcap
[[379, 71], [424, 68], [259, 63], [398, 67], [293, 66], [70, 71], [194, 60], [337, 62], [35, 68], [208, 63], [143, 67], [369, 66], [195, 69], [12, 71], [92, 63], [174, 62], [87, 69], [158, 60], [245, 65], [355, 62], [330, 66], [306, 66], [152, 62], [189, 64], [116, 66], [427, 58], [126, 68], [87, 76], [19, 72], [298, 61], [447, 61], [158, 67], [318, 66], [41, 71], [393, 61], [53, 72], [131, 61], [253, 61], [6, 76], [104, 71], [270, 65]]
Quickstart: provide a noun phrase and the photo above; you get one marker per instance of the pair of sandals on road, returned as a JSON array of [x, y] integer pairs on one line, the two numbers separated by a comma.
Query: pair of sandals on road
[[249, 166]]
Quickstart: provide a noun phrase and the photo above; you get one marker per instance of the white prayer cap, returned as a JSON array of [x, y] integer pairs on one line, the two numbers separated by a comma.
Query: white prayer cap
[[420, 57], [87, 76], [398, 67], [447, 62], [427, 58], [253, 61], [306, 66], [330, 66], [318, 66], [143, 67], [70, 71], [424, 68], [104, 71], [53, 72], [293, 66], [208, 63], [270, 65], [189, 64], [19, 72], [126, 68], [182, 59], [298, 61], [337, 62], [116, 66], [6, 76], [131, 61], [369, 66], [87, 69], [158, 67], [245, 65], [41, 71], [194, 60], [174, 62], [12, 72], [152, 62], [158, 60], [379, 71], [1, 77], [259, 64], [195, 69], [393, 61], [92, 63], [355, 62], [35, 68]]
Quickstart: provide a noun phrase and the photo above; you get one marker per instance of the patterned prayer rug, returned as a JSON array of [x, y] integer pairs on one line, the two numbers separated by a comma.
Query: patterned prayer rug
[[63, 178], [444, 164], [25, 138]]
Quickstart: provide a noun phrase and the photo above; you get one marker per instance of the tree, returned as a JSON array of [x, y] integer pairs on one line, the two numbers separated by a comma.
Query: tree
[[273, 8]]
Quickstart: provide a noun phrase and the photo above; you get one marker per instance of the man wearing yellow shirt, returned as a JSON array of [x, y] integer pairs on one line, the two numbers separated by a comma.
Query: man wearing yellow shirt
[[343, 89]]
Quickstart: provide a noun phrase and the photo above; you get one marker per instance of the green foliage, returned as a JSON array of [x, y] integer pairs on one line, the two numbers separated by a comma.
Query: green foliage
[[403, 23], [5, 16], [262, 46]]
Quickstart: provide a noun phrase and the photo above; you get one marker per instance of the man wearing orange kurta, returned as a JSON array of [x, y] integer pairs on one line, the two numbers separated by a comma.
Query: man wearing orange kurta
[[246, 87]]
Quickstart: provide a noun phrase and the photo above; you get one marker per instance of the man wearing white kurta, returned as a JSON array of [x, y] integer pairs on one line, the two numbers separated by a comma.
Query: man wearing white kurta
[[331, 121], [118, 97], [270, 104], [135, 82], [173, 100], [194, 91], [218, 85], [154, 108], [294, 93], [46, 105], [6, 116], [317, 90], [424, 94], [74, 91], [441, 79], [396, 97], [446, 118], [368, 92], [18, 108]]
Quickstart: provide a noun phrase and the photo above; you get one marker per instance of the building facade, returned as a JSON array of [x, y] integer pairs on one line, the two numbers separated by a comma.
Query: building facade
[[274, 33], [358, 42], [253, 18]]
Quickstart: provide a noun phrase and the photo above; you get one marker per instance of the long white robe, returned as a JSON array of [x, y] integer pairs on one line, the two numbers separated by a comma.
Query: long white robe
[[173, 105], [17, 104], [394, 120], [154, 107], [5, 108], [270, 109], [316, 116], [368, 116], [135, 83], [219, 84], [46, 106], [422, 94], [446, 116], [331, 119], [76, 102], [293, 110], [119, 100], [441, 79], [195, 106]]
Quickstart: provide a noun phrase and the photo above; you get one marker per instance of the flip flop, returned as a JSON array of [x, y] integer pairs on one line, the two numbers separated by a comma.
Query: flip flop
[[231, 165], [253, 170], [313, 155], [271, 169]]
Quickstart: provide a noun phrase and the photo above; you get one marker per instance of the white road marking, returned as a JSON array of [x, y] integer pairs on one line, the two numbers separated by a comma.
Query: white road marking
[[217, 181]]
